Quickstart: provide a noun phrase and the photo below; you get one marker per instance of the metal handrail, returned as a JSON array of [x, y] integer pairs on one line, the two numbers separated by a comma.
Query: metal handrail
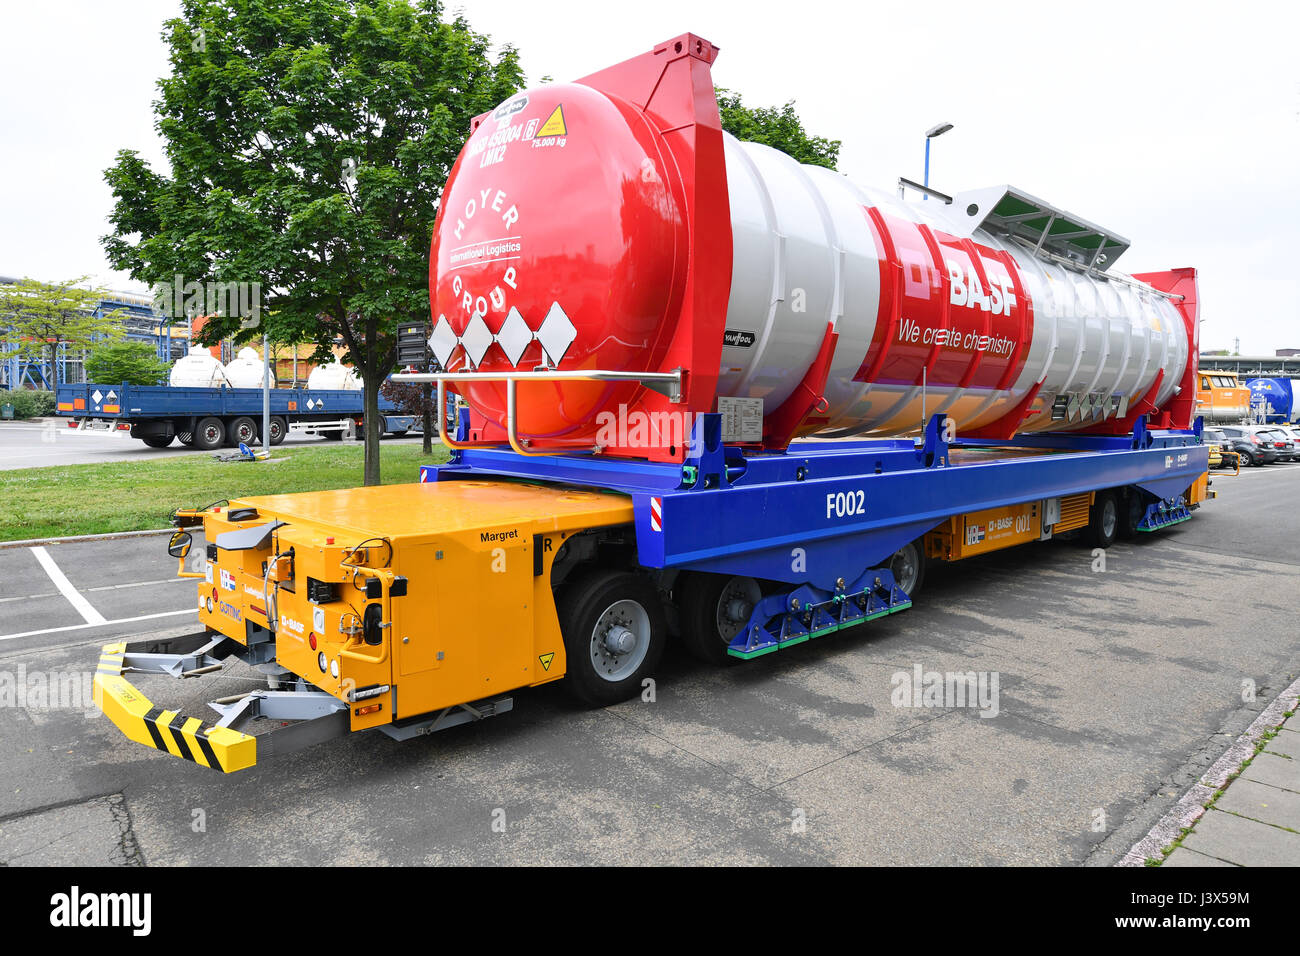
[[666, 383]]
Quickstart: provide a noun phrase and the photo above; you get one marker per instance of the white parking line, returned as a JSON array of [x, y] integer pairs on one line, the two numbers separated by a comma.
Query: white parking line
[[103, 587], [101, 623], [75, 598]]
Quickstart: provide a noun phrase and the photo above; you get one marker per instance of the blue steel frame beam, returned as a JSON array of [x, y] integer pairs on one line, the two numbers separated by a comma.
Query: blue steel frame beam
[[825, 510]]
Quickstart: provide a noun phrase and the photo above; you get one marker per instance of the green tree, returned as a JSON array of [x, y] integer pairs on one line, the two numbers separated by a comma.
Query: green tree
[[37, 317], [136, 363], [309, 141], [779, 128]]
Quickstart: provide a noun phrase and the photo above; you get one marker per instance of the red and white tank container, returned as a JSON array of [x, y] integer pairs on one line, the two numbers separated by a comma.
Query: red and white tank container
[[610, 228]]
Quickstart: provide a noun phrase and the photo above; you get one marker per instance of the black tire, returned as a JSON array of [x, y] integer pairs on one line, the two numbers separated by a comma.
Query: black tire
[[1131, 514], [1247, 459], [1103, 521], [157, 441], [908, 565], [242, 429], [279, 428], [707, 627], [598, 598], [209, 433]]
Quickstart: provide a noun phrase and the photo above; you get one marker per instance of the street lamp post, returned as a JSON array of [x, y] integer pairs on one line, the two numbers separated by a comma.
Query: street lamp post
[[266, 393], [929, 135]]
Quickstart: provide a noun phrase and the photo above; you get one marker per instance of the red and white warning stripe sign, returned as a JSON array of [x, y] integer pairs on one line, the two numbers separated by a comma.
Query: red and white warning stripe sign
[[656, 514]]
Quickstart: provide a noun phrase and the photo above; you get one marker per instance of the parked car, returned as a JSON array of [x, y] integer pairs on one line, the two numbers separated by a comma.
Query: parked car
[[1246, 442], [1293, 433], [1222, 453], [1287, 449], [1214, 444]]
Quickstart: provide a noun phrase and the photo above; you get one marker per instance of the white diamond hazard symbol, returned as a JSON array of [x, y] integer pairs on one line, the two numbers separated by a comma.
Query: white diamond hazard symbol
[[556, 334], [515, 336], [476, 339]]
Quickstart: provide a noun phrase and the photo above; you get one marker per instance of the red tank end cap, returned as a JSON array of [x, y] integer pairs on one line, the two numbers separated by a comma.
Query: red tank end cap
[[560, 241]]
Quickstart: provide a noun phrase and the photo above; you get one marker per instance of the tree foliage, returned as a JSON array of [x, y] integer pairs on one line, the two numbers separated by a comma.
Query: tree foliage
[[309, 141], [778, 127], [37, 317], [136, 363]]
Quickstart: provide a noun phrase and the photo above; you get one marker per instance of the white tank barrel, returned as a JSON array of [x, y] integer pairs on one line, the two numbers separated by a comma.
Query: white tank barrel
[[923, 298], [198, 368]]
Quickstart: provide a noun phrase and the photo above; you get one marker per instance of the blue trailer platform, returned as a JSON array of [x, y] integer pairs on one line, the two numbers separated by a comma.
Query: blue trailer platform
[[212, 417], [823, 524]]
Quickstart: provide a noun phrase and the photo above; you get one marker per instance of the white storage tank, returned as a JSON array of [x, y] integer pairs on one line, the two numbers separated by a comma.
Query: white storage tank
[[336, 375], [246, 370], [197, 369]]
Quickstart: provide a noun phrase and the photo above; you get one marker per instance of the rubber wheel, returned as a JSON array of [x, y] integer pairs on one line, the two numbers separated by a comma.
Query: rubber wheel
[[158, 441], [209, 433], [602, 607], [1247, 459], [908, 567], [279, 428], [1103, 522], [242, 430], [709, 621], [1131, 514]]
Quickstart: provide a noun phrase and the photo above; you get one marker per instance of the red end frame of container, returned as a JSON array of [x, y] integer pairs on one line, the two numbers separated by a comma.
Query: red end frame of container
[[673, 86]]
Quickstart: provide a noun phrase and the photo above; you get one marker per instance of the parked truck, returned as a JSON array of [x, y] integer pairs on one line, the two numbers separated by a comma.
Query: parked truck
[[213, 416], [707, 391]]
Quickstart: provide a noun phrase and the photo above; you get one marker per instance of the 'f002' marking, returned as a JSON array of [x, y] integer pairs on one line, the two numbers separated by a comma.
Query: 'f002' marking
[[846, 504]]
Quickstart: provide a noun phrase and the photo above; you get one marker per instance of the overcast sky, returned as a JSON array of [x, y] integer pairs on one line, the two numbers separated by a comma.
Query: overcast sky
[[1176, 125]]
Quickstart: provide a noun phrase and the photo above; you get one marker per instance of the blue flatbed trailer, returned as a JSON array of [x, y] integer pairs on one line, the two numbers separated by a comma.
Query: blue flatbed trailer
[[823, 524], [210, 418]]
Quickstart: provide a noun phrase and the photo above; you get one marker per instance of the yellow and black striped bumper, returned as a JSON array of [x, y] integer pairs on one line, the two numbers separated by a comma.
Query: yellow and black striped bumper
[[135, 715]]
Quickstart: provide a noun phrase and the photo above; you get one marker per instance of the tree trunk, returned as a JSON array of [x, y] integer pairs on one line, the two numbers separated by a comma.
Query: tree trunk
[[428, 419], [373, 426]]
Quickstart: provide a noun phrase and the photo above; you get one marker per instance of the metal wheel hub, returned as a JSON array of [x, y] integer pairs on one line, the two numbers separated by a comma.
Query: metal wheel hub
[[1109, 517], [735, 605], [620, 640], [903, 566]]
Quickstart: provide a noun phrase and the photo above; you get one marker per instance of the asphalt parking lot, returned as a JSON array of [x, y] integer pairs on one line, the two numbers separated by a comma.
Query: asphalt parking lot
[[50, 442], [1116, 689]]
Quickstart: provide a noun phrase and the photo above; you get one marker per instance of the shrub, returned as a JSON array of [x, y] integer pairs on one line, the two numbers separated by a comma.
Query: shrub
[[29, 403], [135, 363]]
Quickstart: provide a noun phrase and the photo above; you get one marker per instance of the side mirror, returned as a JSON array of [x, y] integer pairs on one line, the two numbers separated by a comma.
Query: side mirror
[[179, 545]]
